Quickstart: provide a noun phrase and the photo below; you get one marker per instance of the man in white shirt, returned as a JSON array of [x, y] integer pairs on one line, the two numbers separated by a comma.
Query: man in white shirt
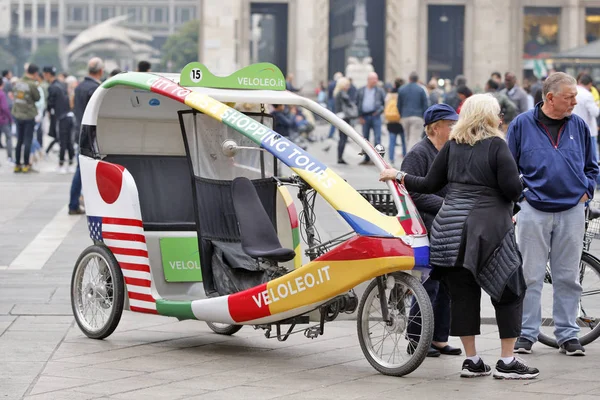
[[586, 107]]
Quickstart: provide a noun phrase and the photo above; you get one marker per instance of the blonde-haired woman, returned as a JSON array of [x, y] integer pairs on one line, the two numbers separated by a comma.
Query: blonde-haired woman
[[473, 244], [346, 109]]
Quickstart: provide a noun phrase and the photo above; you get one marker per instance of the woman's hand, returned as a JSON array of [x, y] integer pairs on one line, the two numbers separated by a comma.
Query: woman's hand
[[388, 175]]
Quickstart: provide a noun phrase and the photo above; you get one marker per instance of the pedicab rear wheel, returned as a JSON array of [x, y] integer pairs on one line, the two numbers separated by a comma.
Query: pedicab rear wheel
[[97, 292], [386, 344], [223, 329]]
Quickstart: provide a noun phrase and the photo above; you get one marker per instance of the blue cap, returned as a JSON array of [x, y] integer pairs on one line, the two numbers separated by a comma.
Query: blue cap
[[439, 112]]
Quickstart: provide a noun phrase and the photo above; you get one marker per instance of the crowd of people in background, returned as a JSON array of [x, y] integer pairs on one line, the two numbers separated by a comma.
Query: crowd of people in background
[[412, 97], [47, 103]]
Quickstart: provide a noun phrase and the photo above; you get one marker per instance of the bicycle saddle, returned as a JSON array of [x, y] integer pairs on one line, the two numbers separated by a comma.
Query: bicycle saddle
[[593, 213], [258, 236]]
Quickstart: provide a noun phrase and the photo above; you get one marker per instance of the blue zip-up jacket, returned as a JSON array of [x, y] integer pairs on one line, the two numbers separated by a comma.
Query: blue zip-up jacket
[[555, 175]]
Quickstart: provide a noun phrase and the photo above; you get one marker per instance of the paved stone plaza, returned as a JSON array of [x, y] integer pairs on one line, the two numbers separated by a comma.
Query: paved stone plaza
[[43, 354]]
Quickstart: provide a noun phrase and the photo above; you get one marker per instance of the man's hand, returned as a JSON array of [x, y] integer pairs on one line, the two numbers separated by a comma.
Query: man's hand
[[584, 198], [388, 175], [361, 121]]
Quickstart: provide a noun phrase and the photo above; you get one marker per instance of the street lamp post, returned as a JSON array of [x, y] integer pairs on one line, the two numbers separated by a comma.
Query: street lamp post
[[360, 45]]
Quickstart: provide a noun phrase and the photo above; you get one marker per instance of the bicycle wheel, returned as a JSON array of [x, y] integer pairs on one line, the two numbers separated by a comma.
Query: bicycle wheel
[[386, 345], [97, 292], [224, 329], [588, 317]]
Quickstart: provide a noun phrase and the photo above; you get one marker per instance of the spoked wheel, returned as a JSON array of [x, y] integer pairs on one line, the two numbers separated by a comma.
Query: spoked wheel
[[386, 345], [224, 329], [588, 317], [97, 292]]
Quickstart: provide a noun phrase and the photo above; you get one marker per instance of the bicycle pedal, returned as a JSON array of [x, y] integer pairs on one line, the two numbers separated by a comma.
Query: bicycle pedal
[[313, 332]]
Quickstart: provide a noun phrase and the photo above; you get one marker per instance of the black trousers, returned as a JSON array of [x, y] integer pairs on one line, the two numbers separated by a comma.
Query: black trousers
[[341, 145], [465, 305], [65, 128]]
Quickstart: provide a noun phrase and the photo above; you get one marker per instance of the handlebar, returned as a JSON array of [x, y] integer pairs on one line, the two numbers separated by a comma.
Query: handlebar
[[289, 180]]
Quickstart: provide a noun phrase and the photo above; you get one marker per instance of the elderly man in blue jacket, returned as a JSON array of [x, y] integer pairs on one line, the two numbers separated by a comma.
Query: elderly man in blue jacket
[[554, 152]]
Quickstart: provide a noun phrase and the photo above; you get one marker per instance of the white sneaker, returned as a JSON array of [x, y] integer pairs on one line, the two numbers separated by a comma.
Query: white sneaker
[[62, 170], [72, 168]]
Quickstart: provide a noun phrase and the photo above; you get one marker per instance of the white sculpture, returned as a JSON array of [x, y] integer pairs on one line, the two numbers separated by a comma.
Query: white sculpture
[[359, 70], [109, 36]]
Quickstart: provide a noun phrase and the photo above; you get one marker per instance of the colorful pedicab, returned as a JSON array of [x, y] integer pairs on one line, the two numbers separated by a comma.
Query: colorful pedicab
[[191, 217]]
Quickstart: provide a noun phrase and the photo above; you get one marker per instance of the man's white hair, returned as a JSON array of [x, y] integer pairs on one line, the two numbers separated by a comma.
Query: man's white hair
[[555, 82], [95, 65]]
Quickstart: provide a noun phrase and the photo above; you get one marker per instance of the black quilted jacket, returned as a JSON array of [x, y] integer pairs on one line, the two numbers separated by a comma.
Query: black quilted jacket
[[474, 227]]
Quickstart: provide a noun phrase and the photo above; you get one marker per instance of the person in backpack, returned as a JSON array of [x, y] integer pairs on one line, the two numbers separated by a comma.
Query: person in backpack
[[392, 117]]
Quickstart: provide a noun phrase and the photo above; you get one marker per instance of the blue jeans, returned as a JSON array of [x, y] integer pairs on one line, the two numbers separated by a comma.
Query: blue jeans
[[331, 107], [372, 122], [558, 238], [440, 300], [24, 139], [75, 189], [393, 140]]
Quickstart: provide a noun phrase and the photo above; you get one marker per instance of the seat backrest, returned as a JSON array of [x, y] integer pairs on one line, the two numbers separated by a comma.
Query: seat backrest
[[256, 228], [165, 190]]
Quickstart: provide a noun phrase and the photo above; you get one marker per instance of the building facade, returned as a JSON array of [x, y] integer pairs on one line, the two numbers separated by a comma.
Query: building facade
[[436, 38], [42, 21], [311, 38]]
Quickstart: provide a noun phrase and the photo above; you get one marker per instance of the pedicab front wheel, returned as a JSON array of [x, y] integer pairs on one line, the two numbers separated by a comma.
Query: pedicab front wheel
[[224, 329], [386, 344], [97, 292]]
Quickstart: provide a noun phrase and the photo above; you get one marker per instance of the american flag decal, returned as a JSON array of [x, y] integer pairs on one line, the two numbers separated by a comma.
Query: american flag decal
[[125, 239]]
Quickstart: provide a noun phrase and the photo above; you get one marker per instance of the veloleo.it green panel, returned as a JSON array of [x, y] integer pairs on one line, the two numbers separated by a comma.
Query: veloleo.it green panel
[[180, 259]]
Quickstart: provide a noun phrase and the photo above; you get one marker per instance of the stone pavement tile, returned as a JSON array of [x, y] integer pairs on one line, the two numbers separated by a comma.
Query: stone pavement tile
[[582, 374], [591, 396], [33, 335], [6, 307], [120, 386], [25, 295], [562, 386], [92, 373], [53, 367], [12, 390], [191, 371], [53, 383], [350, 389], [19, 371], [301, 381], [24, 308], [177, 390], [42, 323], [145, 363], [15, 350], [67, 394], [5, 322], [138, 336], [247, 392], [99, 355]]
